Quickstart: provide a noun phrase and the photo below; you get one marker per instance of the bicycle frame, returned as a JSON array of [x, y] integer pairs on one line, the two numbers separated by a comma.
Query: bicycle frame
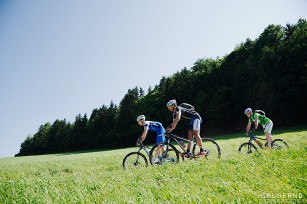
[[170, 137], [143, 147], [254, 138], [172, 152]]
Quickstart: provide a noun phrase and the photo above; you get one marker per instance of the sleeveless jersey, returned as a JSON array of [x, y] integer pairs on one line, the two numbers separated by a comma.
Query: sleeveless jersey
[[185, 113]]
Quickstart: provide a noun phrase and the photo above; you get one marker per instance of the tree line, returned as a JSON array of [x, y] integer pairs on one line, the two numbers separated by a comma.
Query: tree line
[[267, 73]]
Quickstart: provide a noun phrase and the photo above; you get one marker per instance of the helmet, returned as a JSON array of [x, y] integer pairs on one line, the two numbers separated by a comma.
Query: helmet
[[248, 110], [171, 102], [140, 117]]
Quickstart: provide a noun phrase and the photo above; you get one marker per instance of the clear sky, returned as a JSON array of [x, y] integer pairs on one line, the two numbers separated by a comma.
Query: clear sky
[[59, 58]]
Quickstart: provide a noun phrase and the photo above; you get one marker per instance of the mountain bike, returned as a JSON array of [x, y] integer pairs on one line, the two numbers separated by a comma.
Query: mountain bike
[[137, 159], [171, 152], [249, 147]]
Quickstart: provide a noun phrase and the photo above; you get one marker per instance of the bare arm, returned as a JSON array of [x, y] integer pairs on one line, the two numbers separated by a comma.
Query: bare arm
[[144, 134], [256, 122], [175, 121], [248, 127]]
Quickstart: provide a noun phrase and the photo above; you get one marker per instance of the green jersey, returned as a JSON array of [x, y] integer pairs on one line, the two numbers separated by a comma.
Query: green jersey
[[262, 120]]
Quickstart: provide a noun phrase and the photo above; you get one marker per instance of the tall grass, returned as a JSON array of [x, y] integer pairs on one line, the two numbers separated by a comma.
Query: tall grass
[[98, 177]]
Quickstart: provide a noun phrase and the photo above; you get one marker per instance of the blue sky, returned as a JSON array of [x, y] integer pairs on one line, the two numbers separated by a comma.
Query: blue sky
[[59, 58]]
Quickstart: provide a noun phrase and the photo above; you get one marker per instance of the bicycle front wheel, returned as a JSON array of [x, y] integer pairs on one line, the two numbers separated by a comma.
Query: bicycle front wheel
[[167, 154], [210, 146], [279, 144], [247, 148], [134, 160]]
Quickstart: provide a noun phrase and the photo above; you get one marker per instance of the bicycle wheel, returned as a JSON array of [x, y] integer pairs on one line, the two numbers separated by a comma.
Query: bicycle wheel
[[134, 160], [209, 145], [169, 155], [247, 148], [279, 144]]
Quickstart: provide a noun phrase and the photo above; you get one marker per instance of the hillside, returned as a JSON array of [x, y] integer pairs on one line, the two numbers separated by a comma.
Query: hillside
[[98, 177]]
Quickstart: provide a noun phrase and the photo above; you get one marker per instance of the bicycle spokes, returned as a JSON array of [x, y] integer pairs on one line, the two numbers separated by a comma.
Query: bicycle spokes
[[211, 148], [279, 144], [134, 160], [247, 148], [166, 154]]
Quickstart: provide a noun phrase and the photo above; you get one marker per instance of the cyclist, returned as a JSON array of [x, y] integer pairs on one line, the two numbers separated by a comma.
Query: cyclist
[[259, 119], [152, 126], [194, 124]]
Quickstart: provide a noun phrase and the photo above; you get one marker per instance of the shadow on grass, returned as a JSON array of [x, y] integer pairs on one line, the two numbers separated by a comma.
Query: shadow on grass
[[85, 151]]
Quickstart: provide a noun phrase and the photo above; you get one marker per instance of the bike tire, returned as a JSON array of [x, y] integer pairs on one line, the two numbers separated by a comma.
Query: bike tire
[[208, 144], [247, 148], [170, 155], [279, 144], [134, 160]]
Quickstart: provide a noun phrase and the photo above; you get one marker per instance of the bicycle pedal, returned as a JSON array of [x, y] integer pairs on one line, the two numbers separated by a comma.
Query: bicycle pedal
[[185, 155], [195, 156], [182, 155]]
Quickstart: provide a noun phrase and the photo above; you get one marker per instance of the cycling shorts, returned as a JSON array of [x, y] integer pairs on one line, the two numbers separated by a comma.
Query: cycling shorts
[[160, 137], [195, 122], [268, 127]]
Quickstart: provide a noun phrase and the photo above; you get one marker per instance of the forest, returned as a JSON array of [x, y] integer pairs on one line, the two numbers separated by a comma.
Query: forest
[[268, 73]]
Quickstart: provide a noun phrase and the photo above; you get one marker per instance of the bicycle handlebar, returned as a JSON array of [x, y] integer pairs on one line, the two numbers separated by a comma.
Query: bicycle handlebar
[[250, 134], [169, 134], [139, 142]]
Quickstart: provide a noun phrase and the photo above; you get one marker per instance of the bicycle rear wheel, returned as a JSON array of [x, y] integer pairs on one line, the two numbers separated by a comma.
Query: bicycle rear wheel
[[134, 160], [247, 148], [169, 155], [210, 146], [279, 144]]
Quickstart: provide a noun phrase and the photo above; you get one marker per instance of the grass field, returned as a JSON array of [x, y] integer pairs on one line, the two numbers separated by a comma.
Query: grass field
[[98, 177]]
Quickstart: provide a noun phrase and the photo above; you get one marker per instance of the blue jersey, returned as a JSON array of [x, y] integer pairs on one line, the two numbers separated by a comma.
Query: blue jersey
[[154, 126]]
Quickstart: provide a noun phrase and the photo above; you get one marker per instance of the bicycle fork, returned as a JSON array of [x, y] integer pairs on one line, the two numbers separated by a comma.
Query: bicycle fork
[[249, 148]]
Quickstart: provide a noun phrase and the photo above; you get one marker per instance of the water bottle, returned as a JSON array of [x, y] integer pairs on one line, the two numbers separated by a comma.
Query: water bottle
[[182, 144]]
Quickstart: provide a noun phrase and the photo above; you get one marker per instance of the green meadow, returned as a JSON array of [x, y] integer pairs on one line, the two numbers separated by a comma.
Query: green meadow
[[98, 177]]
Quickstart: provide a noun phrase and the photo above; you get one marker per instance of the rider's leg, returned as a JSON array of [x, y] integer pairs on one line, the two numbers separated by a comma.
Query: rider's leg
[[198, 138], [190, 137], [196, 133], [160, 148], [268, 132], [157, 151], [269, 139]]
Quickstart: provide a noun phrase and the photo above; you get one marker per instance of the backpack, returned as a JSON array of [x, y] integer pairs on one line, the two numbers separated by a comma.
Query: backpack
[[260, 111], [187, 110], [187, 106]]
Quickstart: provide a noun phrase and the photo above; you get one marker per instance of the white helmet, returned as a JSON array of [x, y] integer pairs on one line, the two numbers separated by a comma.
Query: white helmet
[[140, 117], [248, 110], [171, 102]]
